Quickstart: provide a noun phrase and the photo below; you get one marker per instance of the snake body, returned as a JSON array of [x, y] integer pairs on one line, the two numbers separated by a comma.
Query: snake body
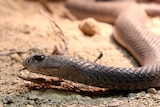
[[130, 31]]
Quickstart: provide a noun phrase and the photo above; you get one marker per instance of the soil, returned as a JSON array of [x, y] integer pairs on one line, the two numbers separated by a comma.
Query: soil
[[23, 28]]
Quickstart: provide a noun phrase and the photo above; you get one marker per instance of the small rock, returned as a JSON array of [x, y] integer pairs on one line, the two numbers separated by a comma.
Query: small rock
[[158, 91], [114, 103], [36, 50], [1, 105], [89, 26], [15, 57], [156, 97], [152, 91], [29, 106], [33, 95], [140, 94], [132, 95], [43, 105], [149, 103], [148, 95]]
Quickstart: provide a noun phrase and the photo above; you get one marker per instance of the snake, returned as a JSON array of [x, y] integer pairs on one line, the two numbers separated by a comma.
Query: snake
[[130, 31]]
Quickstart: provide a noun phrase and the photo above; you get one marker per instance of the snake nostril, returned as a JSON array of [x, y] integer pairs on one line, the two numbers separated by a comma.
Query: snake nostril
[[28, 61]]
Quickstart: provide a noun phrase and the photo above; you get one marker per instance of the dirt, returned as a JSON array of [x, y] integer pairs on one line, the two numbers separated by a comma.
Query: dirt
[[23, 28]]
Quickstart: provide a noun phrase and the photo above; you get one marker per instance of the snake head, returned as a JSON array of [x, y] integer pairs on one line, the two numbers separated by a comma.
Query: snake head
[[34, 61], [45, 64]]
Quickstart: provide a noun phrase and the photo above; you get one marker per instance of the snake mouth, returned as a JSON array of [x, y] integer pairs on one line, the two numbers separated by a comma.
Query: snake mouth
[[22, 69]]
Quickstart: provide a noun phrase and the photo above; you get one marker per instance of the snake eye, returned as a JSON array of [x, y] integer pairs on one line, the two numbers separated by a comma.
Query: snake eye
[[38, 58]]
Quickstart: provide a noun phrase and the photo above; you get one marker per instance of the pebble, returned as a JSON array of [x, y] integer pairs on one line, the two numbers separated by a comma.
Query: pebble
[[156, 97], [15, 57], [33, 95], [140, 95], [89, 26], [132, 95], [36, 50], [158, 91], [1, 105], [29, 106], [114, 103], [152, 91]]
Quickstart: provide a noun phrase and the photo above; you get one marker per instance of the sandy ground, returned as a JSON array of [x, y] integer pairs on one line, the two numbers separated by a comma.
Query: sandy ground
[[23, 28]]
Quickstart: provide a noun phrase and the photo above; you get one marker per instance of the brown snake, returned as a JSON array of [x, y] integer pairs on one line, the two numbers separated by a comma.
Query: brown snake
[[130, 31]]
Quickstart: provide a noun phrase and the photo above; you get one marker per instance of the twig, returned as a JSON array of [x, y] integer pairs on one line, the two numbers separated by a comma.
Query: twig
[[44, 4], [57, 83], [99, 57], [11, 52], [38, 79], [69, 15], [59, 33]]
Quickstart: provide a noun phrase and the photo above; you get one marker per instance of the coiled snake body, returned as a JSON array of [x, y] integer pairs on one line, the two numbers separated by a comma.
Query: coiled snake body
[[130, 32]]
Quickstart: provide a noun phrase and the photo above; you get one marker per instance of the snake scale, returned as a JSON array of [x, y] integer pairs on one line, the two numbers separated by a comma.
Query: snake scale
[[130, 31]]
